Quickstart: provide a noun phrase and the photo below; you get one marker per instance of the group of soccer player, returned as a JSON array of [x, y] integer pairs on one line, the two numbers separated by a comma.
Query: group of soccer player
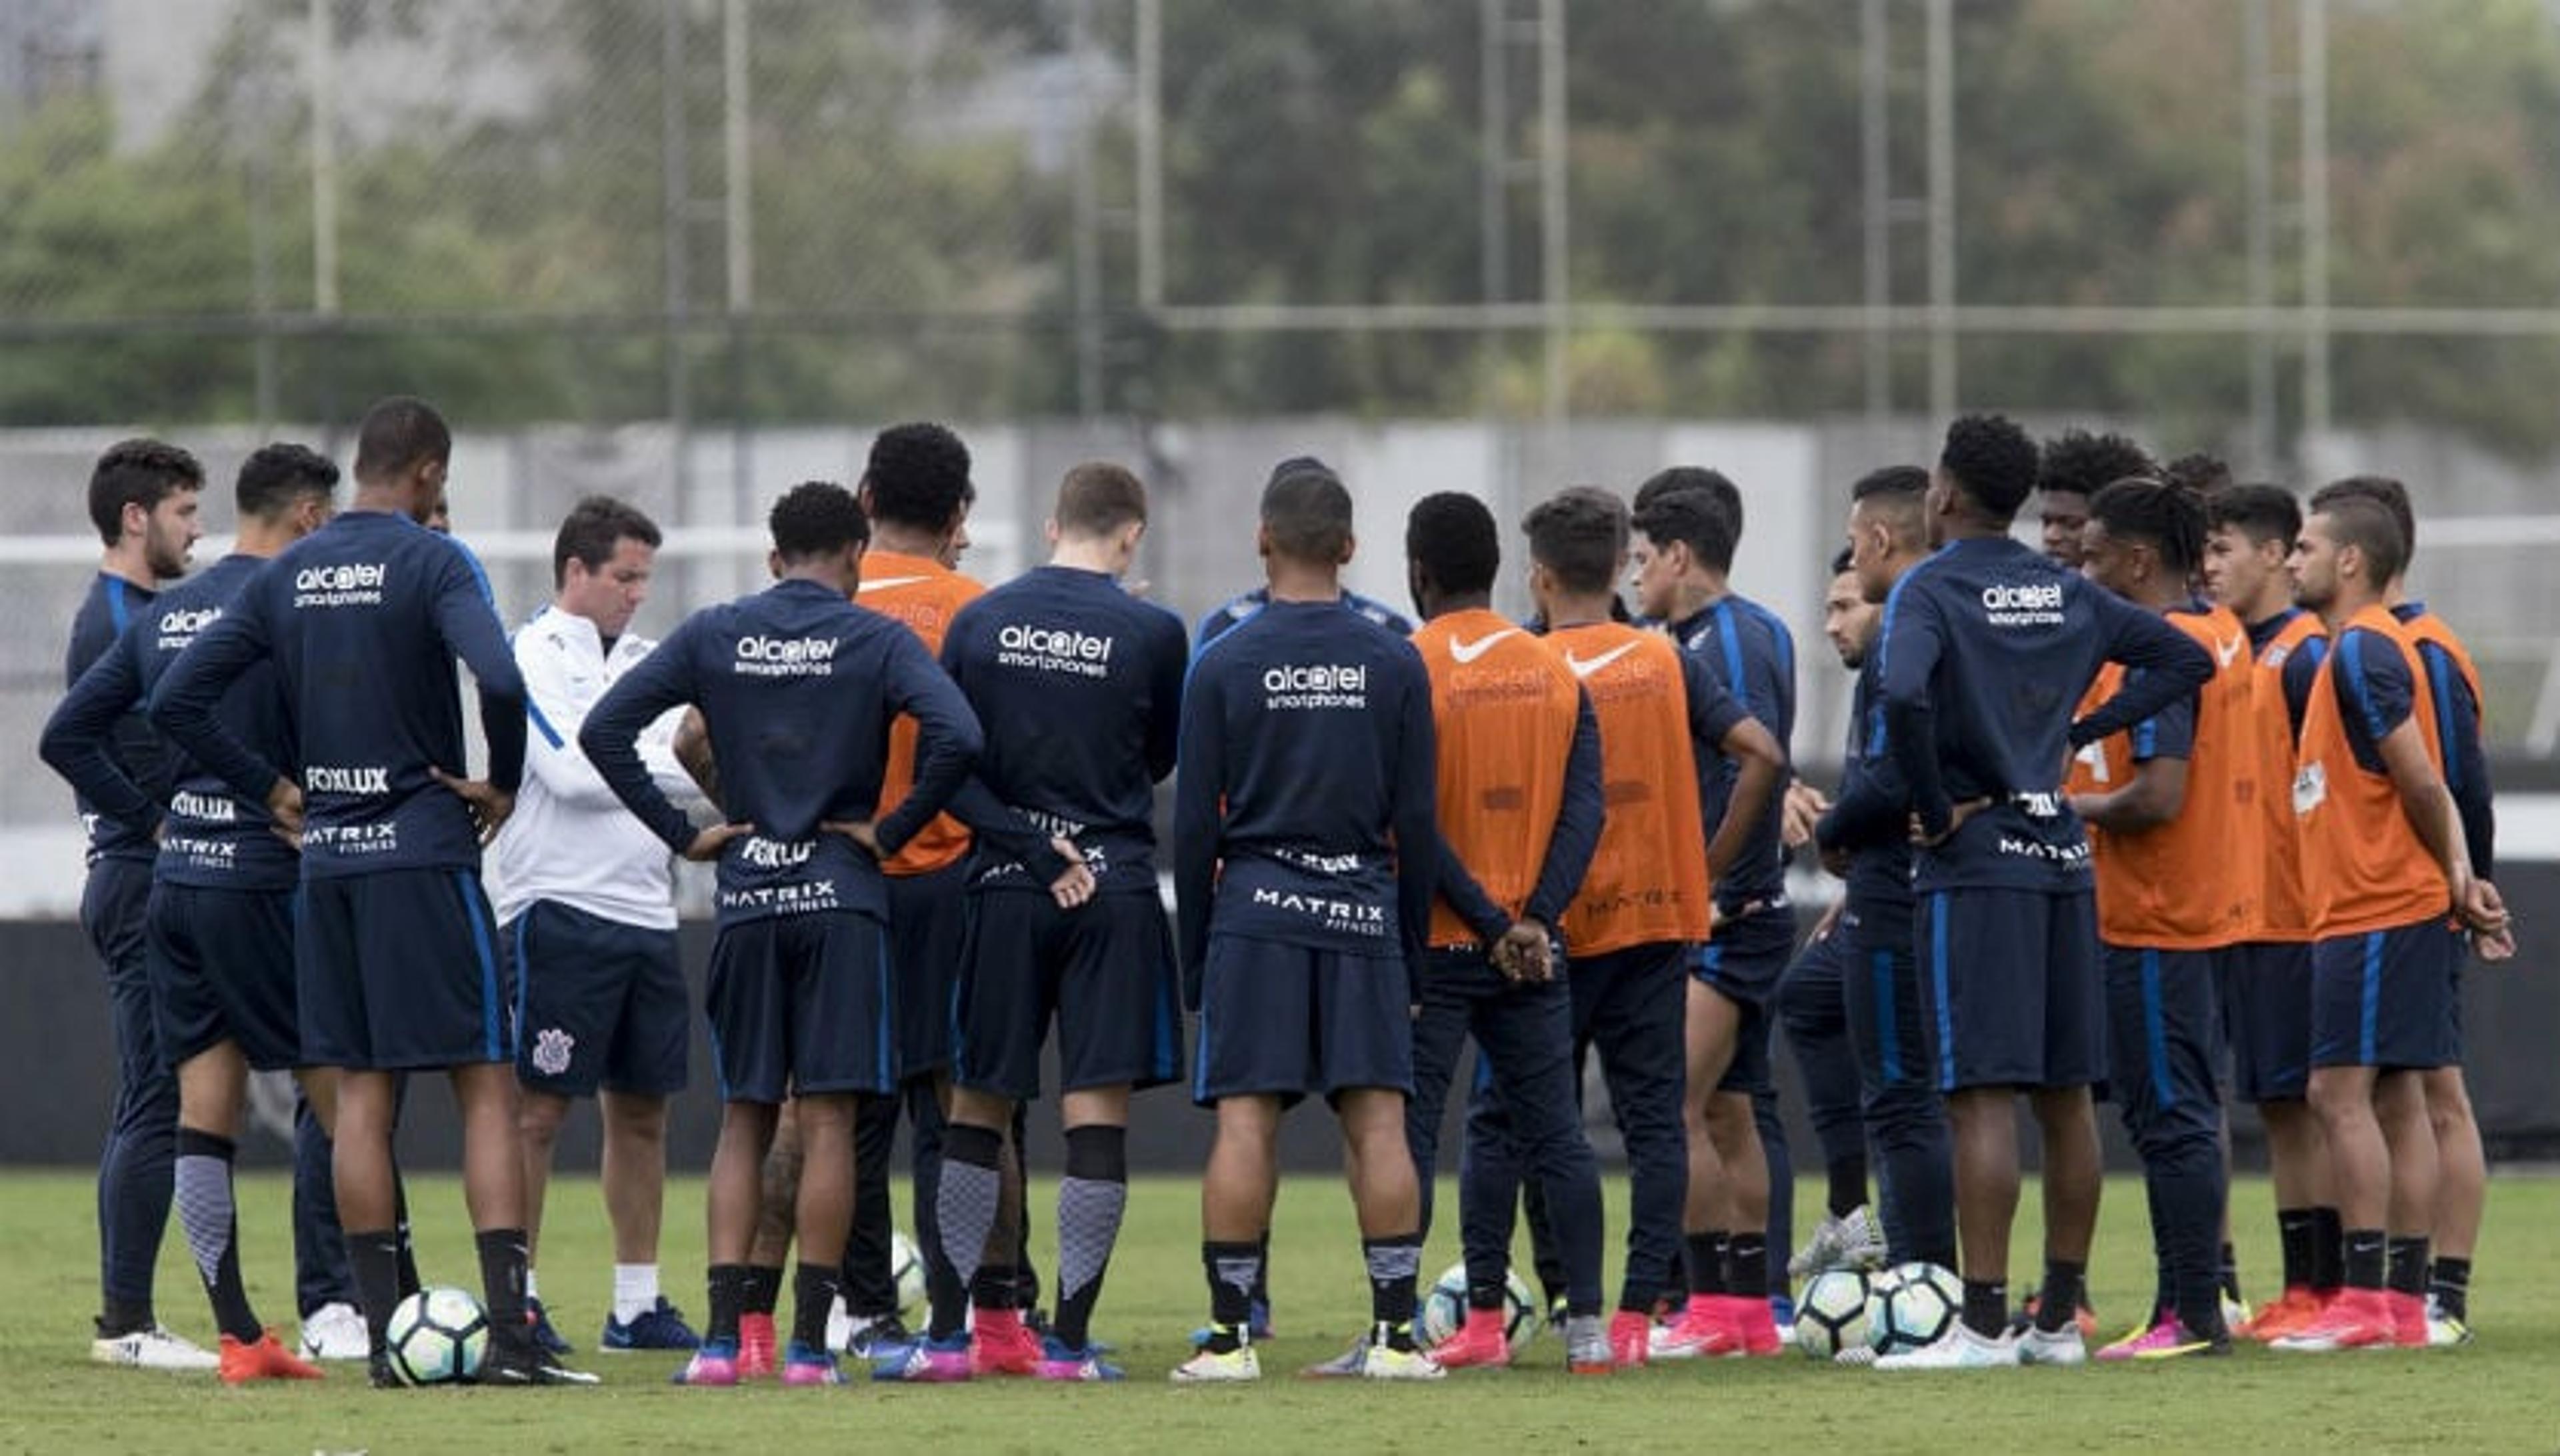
[[931, 810]]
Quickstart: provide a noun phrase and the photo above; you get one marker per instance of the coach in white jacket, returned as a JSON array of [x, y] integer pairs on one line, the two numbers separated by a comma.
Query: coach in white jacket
[[587, 900]]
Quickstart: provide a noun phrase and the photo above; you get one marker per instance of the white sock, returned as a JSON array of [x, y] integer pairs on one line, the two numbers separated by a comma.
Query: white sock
[[533, 1290], [635, 1291]]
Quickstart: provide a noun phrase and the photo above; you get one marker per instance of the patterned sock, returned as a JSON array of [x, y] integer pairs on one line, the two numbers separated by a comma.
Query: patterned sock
[[1393, 1264], [1091, 1203], [1232, 1270], [966, 1205], [2450, 1281], [206, 1212]]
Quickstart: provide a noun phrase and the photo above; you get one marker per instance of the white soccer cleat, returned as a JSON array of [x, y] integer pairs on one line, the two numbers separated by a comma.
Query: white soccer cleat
[[839, 1326], [1854, 1240], [2052, 1347], [335, 1330], [1208, 1368], [1960, 1349], [153, 1349]]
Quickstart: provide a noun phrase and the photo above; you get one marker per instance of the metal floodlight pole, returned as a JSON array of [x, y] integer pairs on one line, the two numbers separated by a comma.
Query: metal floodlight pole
[[1556, 283], [1087, 259], [1494, 164], [1942, 208], [1150, 153], [2256, 44], [2314, 66], [1876, 187], [738, 214], [674, 184], [324, 156]]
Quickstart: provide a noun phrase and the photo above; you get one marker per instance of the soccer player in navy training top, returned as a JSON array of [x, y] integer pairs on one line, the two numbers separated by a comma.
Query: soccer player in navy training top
[[1303, 839], [395, 950], [142, 498], [1986, 649], [221, 933], [797, 688], [1079, 686]]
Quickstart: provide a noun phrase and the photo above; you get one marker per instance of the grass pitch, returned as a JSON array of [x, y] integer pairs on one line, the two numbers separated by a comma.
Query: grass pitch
[[2498, 1395]]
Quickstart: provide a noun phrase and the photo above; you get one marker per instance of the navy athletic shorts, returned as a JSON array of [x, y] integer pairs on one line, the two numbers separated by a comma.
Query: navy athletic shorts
[[803, 1003], [399, 970], [1286, 1021], [598, 1004], [2384, 999], [2014, 988], [2267, 1014], [1744, 963], [1104, 971], [222, 970], [928, 932]]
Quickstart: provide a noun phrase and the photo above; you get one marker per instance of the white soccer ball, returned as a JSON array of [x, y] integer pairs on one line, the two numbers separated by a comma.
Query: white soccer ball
[[1911, 1305], [1444, 1310], [436, 1337], [1831, 1315], [907, 1270]]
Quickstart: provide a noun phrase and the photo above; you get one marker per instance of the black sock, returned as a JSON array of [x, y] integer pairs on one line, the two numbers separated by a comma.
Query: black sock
[[2364, 1255], [502, 1276], [2230, 1271], [1261, 1295], [2328, 1248], [202, 1177], [1234, 1270], [1986, 1307], [813, 1298], [2058, 1305], [123, 1317], [1847, 1178], [1091, 1203], [1706, 1262], [1395, 1263], [997, 1287], [372, 1256], [2450, 1281], [763, 1291], [407, 1268], [2407, 1259], [2295, 1233], [1746, 1265], [728, 1294]]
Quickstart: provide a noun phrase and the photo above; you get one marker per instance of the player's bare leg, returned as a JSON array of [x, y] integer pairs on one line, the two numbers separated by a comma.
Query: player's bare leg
[[2461, 1199], [213, 1092], [635, 1173], [1981, 1123], [539, 1116]]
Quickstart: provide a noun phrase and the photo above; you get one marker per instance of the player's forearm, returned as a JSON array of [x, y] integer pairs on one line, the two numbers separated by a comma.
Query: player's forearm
[[2173, 665], [1459, 887], [73, 745], [182, 713], [610, 739], [1911, 728]]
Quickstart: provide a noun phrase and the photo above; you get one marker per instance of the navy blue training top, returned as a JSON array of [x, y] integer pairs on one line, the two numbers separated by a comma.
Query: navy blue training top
[[1753, 653], [1307, 764], [1986, 649], [363, 620], [111, 606], [2457, 726], [1237, 610], [1078, 687], [1870, 817], [215, 837], [798, 688]]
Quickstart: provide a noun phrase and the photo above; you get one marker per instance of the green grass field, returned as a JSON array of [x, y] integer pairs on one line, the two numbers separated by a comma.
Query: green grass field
[[2498, 1395]]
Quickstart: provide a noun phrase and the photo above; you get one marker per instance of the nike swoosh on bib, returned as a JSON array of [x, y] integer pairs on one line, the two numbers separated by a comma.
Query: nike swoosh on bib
[[1467, 652], [886, 582], [1583, 669]]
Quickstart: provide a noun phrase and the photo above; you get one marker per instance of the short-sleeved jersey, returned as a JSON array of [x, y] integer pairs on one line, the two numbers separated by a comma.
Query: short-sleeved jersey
[[2364, 867], [1984, 650], [1503, 709], [1648, 881], [2179, 885], [1303, 813], [105, 614], [2289, 648], [1078, 687], [1751, 650], [798, 689], [2460, 706], [363, 619], [210, 837], [1238, 609], [924, 596]]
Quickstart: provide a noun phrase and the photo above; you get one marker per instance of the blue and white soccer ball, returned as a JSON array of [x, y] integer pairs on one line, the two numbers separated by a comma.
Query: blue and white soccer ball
[[1911, 1305], [1831, 1315], [906, 1269], [437, 1337], [1444, 1310]]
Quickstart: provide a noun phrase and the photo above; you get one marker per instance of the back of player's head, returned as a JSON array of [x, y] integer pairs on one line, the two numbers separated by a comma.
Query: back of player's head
[[1718, 486], [2262, 513], [1991, 461], [2383, 491], [1840, 562], [2366, 524], [2077, 462], [1098, 498], [1898, 496], [1578, 535], [1453, 539], [1307, 512], [399, 434], [1694, 517], [593, 528], [817, 518], [137, 472], [2206, 474], [275, 476], [918, 477], [2168, 519]]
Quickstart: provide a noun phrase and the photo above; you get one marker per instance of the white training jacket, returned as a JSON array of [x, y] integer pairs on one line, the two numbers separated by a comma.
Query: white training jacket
[[571, 841]]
